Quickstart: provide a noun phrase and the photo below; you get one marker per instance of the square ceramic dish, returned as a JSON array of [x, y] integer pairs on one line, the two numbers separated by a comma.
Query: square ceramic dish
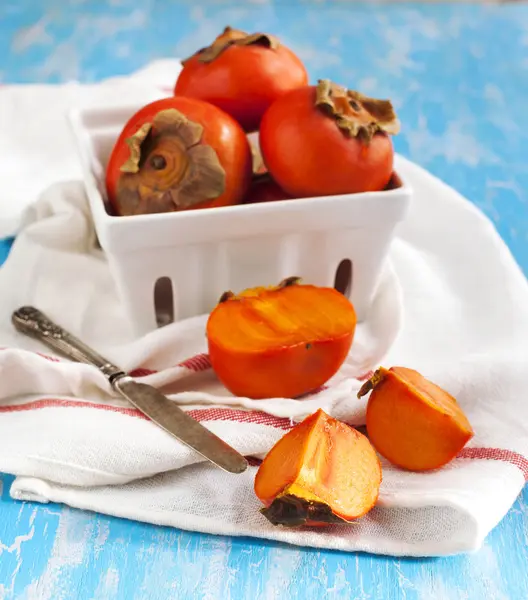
[[194, 256]]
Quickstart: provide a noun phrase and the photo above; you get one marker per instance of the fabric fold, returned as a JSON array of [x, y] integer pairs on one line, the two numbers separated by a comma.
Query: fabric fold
[[452, 304]]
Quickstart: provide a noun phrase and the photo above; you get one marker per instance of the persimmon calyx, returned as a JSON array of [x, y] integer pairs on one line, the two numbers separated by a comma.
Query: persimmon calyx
[[289, 281], [134, 145], [355, 114], [233, 37], [251, 292], [292, 510], [370, 384], [168, 168]]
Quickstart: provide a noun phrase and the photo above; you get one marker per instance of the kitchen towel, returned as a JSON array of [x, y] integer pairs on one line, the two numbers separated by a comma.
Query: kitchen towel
[[452, 304]]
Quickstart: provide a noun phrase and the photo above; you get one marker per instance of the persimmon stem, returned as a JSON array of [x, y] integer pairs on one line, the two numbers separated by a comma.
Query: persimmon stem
[[184, 171], [292, 511], [158, 162], [370, 384], [355, 114], [289, 281], [225, 297], [233, 37]]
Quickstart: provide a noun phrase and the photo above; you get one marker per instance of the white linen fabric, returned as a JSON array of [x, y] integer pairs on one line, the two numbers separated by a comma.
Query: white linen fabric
[[452, 304]]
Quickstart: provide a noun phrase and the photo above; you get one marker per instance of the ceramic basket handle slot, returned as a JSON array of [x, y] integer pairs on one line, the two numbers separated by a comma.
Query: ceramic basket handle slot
[[33, 322]]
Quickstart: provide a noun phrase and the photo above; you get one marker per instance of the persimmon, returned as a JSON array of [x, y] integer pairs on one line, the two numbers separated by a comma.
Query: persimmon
[[327, 140], [264, 189], [321, 472], [281, 341], [412, 422], [178, 154], [242, 74]]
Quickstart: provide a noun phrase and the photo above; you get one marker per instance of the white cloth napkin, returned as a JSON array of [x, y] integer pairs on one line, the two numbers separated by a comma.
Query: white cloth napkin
[[68, 439]]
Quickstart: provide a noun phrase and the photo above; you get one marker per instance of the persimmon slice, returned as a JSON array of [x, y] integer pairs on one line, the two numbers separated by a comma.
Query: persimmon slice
[[322, 471], [281, 341], [412, 422]]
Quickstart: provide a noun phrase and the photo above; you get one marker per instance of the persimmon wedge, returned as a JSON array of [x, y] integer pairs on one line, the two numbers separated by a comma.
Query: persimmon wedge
[[412, 422], [280, 341], [321, 472]]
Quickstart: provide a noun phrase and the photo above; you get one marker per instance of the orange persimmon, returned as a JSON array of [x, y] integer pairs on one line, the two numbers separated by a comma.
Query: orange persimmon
[[282, 341], [243, 74], [412, 422], [264, 189], [322, 471], [178, 154], [324, 140]]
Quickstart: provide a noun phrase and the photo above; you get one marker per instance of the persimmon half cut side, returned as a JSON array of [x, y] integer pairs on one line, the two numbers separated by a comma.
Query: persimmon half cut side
[[280, 342], [412, 422], [321, 472]]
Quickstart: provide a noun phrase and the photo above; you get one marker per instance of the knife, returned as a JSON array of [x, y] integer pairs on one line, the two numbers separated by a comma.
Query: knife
[[152, 403]]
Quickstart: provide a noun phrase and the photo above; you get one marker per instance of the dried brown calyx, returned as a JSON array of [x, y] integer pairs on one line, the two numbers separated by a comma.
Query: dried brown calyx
[[169, 168], [372, 382], [233, 37], [357, 115], [290, 510], [255, 291]]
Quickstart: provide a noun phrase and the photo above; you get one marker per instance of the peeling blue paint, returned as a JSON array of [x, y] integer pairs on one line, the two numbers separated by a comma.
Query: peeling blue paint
[[458, 75]]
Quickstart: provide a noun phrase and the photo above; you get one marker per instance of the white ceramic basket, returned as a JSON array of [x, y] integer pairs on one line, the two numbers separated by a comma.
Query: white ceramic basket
[[340, 241]]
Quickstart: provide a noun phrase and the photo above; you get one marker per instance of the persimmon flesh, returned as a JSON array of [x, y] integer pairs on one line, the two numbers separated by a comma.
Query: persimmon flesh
[[412, 422], [315, 143], [282, 341], [322, 471], [241, 74]]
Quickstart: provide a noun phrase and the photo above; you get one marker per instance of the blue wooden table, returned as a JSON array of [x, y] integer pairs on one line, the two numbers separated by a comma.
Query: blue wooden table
[[458, 75]]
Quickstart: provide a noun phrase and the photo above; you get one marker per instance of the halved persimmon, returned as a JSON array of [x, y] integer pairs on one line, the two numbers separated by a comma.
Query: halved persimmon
[[322, 471], [281, 341]]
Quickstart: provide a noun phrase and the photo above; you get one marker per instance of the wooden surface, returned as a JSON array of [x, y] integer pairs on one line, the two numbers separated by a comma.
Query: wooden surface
[[459, 78]]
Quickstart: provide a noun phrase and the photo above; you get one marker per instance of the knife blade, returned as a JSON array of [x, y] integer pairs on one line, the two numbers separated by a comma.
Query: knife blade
[[170, 417], [152, 403]]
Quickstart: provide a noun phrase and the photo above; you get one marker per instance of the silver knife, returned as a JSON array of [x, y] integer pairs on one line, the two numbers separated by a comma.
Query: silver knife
[[147, 399]]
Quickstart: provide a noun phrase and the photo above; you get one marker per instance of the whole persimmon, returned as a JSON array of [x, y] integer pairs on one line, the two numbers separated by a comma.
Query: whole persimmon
[[264, 189], [242, 74], [326, 140], [178, 154]]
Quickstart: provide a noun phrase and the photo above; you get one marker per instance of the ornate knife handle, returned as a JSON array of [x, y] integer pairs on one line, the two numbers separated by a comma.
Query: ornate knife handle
[[34, 323]]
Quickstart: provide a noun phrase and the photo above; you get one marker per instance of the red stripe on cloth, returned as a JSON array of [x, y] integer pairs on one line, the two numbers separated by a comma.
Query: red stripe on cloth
[[200, 362], [200, 414], [514, 458], [259, 418], [46, 356], [197, 363], [365, 376], [141, 372], [58, 403]]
